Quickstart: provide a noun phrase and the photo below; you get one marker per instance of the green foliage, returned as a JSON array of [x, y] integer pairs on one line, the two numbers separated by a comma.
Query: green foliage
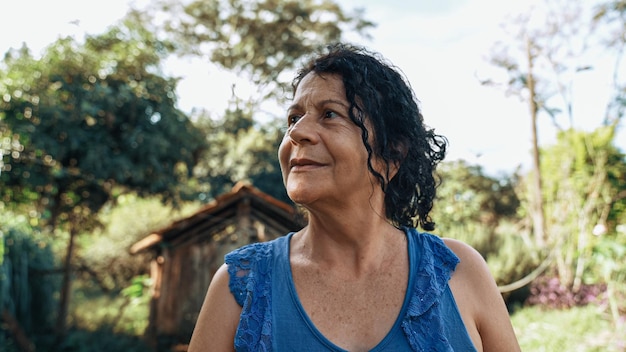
[[26, 287], [103, 254], [240, 150], [482, 211], [86, 121], [583, 176], [470, 205], [612, 13], [515, 257], [122, 312], [608, 254], [609, 267], [262, 38], [137, 288], [110, 300], [584, 180], [85, 118]]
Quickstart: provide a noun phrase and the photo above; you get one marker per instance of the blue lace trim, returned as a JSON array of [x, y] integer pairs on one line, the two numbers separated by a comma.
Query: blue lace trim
[[250, 282], [423, 325]]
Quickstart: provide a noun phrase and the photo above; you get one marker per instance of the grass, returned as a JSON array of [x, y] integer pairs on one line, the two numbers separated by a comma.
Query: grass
[[588, 329]]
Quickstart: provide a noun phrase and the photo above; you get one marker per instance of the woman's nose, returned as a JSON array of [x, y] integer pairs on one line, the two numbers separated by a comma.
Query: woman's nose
[[303, 130]]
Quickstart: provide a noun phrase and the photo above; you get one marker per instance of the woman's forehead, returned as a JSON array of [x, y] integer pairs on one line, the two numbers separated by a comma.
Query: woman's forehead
[[321, 78], [326, 85]]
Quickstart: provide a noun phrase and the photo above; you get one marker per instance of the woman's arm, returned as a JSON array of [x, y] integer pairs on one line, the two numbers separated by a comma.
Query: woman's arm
[[481, 305], [218, 319]]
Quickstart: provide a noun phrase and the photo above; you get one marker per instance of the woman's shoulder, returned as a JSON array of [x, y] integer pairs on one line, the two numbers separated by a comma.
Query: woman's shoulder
[[251, 264], [479, 300], [468, 256], [434, 249], [472, 267]]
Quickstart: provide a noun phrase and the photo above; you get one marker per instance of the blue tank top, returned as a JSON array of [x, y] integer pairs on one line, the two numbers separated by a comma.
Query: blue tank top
[[273, 319]]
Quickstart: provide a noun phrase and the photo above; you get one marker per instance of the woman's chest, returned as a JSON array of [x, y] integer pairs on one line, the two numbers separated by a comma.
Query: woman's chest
[[353, 313]]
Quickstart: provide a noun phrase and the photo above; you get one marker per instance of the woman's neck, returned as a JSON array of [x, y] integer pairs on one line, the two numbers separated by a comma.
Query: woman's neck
[[358, 247]]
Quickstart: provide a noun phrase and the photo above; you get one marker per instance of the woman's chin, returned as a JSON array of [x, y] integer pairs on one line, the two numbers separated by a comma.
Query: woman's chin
[[302, 195], [298, 198]]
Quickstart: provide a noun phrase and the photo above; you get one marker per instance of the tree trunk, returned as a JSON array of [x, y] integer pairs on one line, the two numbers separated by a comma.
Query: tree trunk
[[15, 329], [537, 198], [66, 285]]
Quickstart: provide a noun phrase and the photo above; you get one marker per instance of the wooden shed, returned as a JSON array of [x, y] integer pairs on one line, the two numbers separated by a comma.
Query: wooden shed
[[186, 254]]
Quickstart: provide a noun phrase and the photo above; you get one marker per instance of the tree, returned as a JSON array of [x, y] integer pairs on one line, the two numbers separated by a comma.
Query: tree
[[539, 70], [26, 295], [554, 47], [471, 205], [585, 183], [483, 211], [263, 38], [87, 120], [240, 149], [611, 16]]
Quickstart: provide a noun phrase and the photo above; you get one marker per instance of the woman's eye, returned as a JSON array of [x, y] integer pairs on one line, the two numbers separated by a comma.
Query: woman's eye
[[291, 119], [330, 114]]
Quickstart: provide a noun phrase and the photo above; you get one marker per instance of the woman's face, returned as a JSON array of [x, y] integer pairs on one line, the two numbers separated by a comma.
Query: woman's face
[[322, 155]]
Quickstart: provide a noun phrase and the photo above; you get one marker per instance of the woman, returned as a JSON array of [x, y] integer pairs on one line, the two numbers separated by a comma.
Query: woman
[[359, 277]]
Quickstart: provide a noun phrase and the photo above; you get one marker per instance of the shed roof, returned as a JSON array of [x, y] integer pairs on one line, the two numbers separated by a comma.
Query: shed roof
[[271, 207]]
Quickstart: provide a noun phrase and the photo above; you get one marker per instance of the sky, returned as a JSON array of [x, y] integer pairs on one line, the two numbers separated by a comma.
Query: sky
[[441, 46]]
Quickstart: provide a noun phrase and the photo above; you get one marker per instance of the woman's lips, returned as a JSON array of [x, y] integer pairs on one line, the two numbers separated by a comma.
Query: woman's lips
[[303, 164]]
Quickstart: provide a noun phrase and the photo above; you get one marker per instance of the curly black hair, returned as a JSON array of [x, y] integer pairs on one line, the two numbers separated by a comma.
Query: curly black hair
[[376, 89]]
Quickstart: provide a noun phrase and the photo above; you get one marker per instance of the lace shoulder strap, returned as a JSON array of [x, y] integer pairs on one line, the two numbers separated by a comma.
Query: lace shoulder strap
[[423, 324], [249, 268]]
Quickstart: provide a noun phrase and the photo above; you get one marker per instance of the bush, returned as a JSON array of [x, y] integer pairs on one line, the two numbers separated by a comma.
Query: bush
[[549, 292], [122, 312], [26, 291], [511, 258]]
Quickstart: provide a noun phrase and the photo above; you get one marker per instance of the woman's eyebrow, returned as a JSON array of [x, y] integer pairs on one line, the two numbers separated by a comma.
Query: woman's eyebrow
[[293, 107], [297, 106], [333, 101]]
